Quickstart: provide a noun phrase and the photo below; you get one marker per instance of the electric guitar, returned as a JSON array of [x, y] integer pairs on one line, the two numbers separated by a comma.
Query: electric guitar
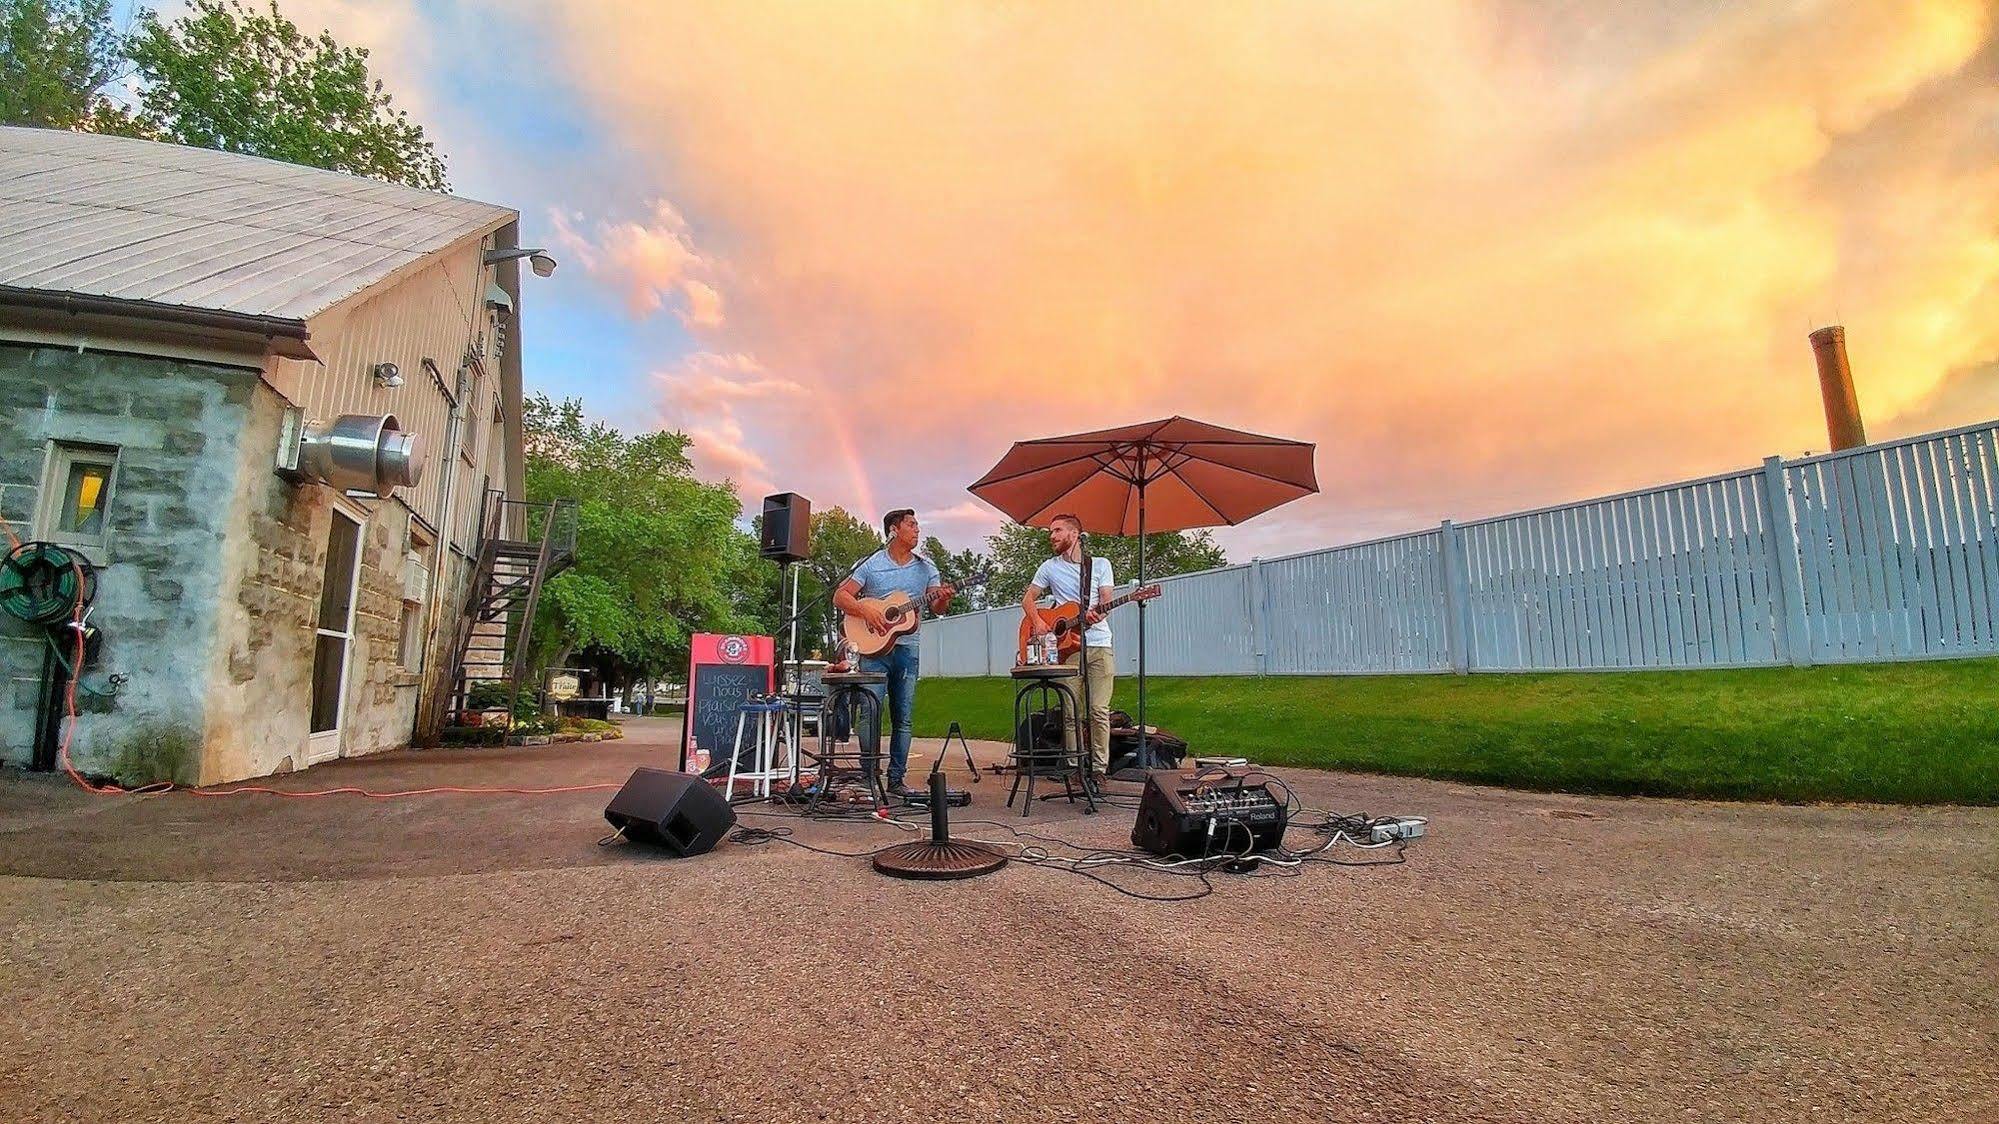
[[1061, 620], [903, 614]]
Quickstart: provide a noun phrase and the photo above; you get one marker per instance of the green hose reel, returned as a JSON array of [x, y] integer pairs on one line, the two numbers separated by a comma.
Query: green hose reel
[[44, 583]]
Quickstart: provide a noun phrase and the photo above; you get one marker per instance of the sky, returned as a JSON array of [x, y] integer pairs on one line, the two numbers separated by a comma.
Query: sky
[[1487, 254]]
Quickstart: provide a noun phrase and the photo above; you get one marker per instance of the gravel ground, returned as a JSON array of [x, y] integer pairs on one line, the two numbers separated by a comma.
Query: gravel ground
[[479, 958]]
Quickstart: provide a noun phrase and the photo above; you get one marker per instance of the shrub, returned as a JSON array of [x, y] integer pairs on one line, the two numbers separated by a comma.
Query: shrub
[[493, 696]]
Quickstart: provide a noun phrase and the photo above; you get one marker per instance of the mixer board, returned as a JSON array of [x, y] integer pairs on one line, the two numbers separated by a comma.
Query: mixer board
[[1217, 813]]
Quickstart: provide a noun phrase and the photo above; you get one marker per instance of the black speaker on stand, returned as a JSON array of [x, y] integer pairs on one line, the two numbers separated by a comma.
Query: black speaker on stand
[[787, 528]]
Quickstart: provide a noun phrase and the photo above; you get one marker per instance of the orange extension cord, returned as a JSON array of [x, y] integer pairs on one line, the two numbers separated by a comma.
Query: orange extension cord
[[69, 730]]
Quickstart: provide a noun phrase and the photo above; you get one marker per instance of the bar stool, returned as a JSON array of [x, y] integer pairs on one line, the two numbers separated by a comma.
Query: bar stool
[[848, 696], [1045, 684], [775, 754]]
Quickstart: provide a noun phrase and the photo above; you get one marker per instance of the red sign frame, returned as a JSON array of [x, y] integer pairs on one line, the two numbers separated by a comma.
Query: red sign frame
[[717, 649]]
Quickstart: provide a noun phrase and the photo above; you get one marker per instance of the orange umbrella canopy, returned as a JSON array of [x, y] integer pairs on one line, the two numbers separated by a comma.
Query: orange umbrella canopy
[[1180, 472]]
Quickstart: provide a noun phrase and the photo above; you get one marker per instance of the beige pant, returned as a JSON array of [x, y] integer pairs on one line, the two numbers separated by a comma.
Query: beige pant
[[1102, 676]]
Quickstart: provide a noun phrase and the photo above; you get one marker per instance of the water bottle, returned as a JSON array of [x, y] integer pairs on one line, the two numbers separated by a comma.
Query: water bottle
[[1052, 656], [697, 758]]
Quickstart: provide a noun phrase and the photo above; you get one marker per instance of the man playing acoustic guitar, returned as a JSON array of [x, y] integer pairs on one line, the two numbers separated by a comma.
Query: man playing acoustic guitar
[[895, 567], [1060, 576]]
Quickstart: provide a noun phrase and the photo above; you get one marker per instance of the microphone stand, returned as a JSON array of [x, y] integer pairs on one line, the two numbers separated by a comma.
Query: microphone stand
[[1086, 725], [790, 623]]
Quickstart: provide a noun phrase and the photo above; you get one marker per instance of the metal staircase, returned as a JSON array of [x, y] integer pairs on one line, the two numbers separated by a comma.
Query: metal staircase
[[521, 546]]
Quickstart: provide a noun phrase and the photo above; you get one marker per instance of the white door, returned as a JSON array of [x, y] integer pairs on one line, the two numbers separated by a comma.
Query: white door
[[334, 635]]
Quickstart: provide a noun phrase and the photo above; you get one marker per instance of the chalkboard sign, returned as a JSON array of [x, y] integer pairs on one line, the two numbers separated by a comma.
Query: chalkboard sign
[[723, 672]]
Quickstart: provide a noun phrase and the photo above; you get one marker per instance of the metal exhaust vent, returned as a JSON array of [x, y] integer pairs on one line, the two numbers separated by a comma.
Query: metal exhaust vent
[[360, 453]]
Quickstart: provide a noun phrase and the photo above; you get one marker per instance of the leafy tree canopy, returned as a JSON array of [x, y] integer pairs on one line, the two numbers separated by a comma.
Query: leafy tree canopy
[[658, 554], [1017, 551], [57, 58], [246, 79], [220, 75]]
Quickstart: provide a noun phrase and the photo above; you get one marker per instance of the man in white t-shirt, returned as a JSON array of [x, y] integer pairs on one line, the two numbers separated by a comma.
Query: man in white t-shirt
[[1060, 577]]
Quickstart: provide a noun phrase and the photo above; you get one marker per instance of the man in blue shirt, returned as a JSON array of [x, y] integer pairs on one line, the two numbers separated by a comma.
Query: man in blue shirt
[[896, 566]]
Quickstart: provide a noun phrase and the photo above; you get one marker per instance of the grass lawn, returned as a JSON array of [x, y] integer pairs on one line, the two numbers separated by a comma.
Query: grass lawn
[[1905, 733]]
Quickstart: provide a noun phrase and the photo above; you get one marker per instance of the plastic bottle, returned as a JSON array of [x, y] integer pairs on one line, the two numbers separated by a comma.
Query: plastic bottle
[[1053, 655], [697, 758]]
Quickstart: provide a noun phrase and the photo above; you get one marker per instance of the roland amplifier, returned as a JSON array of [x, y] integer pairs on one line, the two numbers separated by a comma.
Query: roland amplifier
[[1218, 812]]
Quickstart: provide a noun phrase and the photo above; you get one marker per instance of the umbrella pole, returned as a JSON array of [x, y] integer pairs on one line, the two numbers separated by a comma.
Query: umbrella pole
[[1144, 751]]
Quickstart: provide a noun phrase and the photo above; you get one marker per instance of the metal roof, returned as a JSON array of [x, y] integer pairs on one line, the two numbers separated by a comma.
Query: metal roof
[[142, 221]]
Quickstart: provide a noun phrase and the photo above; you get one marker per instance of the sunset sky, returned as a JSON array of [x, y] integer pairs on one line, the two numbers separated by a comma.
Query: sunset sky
[[1488, 255]]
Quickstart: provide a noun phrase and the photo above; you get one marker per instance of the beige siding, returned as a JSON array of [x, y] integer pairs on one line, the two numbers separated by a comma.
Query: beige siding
[[437, 313]]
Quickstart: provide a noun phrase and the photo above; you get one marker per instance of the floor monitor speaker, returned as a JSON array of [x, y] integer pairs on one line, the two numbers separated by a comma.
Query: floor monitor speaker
[[676, 811]]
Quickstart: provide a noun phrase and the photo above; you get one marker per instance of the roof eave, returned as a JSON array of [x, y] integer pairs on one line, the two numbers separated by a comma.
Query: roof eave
[[280, 335]]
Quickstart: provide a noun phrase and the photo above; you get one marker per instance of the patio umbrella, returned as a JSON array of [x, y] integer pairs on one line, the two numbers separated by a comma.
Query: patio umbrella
[[1176, 474]]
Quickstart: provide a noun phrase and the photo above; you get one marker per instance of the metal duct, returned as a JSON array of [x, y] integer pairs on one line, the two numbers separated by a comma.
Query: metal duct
[[361, 453]]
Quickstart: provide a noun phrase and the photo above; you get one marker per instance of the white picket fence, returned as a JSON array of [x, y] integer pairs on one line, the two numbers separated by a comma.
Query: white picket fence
[[1886, 552]]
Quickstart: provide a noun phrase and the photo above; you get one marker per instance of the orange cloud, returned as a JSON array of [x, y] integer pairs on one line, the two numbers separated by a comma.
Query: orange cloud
[[653, 263], [1487, 255]]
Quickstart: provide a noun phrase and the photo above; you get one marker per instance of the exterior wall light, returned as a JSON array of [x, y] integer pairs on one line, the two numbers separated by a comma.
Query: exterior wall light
[[538, 259], [388, 376]]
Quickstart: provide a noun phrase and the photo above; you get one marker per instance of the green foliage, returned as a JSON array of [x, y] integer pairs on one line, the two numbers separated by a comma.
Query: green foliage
[[957, 567], [1915, 733], [245, 79], [471, 735], [56, 59], [493, 696], [221, 75], [1017, 551], [154, 751], [839, 540], [598, 726], [658, 554]]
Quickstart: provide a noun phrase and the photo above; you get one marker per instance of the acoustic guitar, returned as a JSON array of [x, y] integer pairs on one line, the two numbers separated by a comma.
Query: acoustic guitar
[[1061, 620], [903, 614]]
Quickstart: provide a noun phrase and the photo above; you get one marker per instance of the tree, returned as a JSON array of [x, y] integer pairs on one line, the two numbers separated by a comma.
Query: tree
[[1017, 551], [957, 567], [248, 80], [56, 59], [839, 540], [658, 554]]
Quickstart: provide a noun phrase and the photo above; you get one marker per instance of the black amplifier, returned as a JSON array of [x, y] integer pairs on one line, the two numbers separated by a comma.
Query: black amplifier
[[1217, 812]]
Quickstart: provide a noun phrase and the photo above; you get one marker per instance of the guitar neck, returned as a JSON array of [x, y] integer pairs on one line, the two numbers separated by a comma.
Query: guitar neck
[[1116, 601]]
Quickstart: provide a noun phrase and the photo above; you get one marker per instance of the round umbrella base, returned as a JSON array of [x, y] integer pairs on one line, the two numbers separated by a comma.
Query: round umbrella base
[[930, 859]]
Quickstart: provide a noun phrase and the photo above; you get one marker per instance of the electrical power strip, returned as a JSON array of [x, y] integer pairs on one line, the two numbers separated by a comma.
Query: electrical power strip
[[1401, 827]]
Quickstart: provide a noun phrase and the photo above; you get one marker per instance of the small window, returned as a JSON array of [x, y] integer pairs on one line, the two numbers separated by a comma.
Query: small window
[[76, 494], [410, 652]]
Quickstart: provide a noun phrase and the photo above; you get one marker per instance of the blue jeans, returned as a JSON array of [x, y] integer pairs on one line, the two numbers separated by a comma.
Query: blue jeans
[[900, 667]]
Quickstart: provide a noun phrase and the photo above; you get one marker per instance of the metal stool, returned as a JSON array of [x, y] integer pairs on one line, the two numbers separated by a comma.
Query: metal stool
[[848, 696], [775, 751], [1045, 683]]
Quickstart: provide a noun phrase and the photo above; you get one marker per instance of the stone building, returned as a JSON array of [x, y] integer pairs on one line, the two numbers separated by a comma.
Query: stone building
[[171, 319]]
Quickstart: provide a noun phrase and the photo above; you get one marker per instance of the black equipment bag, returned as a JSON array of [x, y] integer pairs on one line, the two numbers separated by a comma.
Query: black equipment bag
[[1168, 748]]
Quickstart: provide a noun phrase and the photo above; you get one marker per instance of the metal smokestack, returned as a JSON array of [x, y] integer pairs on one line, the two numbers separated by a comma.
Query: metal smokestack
[[1842, 409]]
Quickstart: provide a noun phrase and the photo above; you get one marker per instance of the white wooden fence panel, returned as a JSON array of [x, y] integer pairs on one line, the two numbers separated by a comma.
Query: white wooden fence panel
[[1885, 552], [1899, 547]]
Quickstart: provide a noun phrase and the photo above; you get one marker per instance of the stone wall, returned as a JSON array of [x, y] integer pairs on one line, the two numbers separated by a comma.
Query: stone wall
[[260, 698], [177, 427]]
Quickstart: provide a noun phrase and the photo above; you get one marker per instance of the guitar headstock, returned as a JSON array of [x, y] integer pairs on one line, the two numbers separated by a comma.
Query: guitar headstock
[[1144, 593]]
